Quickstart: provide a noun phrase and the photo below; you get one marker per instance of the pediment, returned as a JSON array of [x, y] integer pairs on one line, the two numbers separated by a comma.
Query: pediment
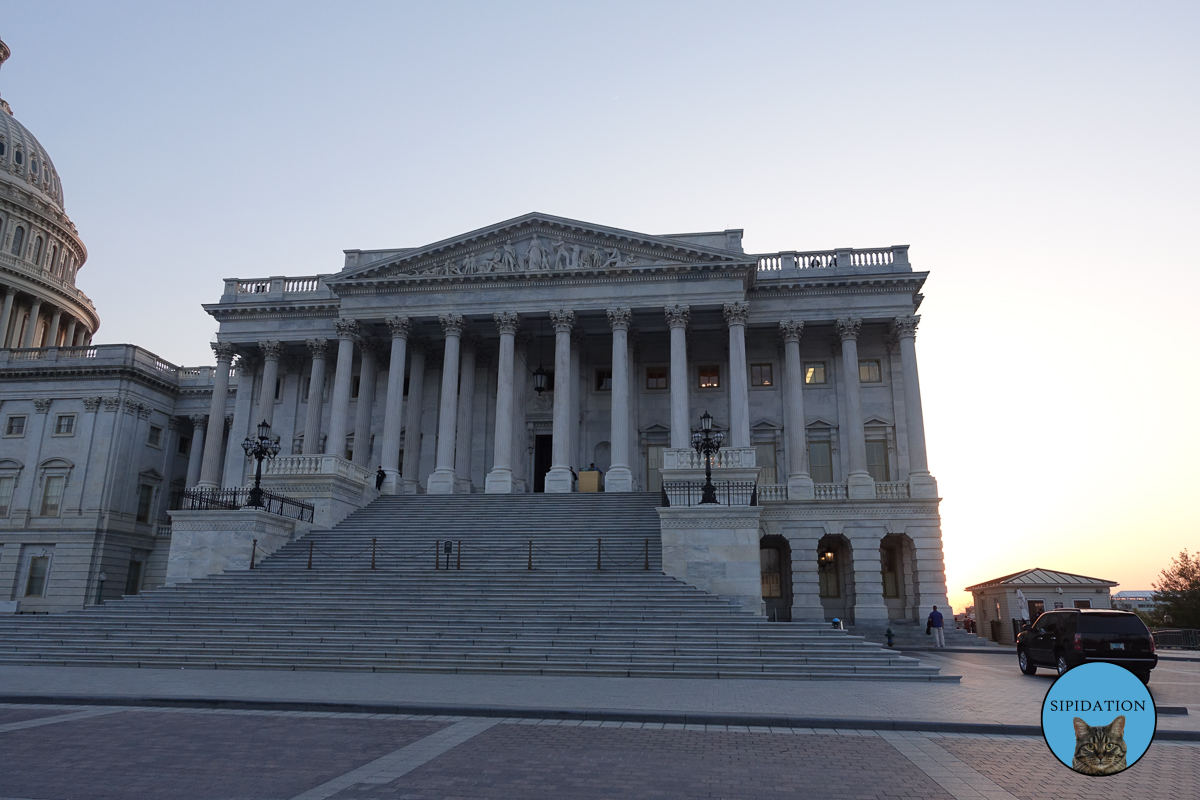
[[540, 246], [821, 422]]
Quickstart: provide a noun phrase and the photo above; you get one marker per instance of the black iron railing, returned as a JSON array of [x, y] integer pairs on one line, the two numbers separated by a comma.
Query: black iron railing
[[234, 499], [1184, 638], [729, 493]]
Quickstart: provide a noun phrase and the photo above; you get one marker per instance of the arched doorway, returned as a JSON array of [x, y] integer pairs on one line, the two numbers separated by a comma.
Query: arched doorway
[[897, 568], [775, 560], [835, 577]]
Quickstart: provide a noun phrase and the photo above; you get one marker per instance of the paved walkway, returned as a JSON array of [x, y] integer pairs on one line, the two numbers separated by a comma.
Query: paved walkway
[[993, 692]]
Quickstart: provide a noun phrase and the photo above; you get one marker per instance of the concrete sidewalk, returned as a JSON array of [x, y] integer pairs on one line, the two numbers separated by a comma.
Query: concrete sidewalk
[[993, 696]]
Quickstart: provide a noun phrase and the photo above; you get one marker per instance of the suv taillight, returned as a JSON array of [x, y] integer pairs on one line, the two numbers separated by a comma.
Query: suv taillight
[[1079, 643]]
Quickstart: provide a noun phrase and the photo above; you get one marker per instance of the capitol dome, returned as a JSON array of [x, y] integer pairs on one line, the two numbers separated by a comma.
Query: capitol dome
[[40, 250]]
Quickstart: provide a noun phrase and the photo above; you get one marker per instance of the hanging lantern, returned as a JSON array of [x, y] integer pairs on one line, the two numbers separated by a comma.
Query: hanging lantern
[[539, 380]]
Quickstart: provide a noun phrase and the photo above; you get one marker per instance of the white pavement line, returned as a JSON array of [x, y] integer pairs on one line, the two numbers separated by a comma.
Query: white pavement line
[[402, 761], [35, 723], [945, 769]]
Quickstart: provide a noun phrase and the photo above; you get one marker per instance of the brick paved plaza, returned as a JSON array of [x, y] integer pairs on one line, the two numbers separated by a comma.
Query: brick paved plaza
[[86, 750]]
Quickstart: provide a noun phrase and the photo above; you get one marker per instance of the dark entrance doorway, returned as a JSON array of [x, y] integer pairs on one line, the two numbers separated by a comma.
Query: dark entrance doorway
[[543, 459], [775, 559]]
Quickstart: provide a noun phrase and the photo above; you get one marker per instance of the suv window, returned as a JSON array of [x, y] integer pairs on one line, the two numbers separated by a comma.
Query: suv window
[[1112, 623], [1046, 623]]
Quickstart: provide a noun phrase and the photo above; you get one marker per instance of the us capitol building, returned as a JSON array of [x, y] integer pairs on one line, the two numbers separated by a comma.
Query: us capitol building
[[513, 358]]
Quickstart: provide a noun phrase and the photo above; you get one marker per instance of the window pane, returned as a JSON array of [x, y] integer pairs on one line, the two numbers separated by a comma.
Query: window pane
[[6, 492], [877, 461], [814, 372], [760, 375], [52, 498], [65, 424], [820, 463], [868, 372], [656, 378], [155, 435], [710, 377], [16, 426], [35, 586], [145, 498], [604, 380]]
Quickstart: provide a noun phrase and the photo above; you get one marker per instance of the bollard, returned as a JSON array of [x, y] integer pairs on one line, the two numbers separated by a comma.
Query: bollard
[[598, 548], [458, 561], [529, 565], [310, 549], [437, 555], [253, 549], [646, 565], [372, 553]]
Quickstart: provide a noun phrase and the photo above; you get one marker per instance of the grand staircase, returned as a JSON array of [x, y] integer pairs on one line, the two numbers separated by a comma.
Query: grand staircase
[[519, 592]]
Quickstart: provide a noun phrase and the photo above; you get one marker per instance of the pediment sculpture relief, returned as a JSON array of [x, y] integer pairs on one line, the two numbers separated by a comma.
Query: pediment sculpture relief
[[529, 255]]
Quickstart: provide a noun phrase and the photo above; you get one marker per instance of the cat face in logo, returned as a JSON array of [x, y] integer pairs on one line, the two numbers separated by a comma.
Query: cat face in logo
[[1099, 750]]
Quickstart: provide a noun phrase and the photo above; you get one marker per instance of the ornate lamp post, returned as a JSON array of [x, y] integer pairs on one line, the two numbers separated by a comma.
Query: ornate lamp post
[[707, 442], [260, 447]]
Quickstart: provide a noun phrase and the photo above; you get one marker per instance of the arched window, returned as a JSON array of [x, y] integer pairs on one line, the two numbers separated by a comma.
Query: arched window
[[18, 240], [3, 147], [19, 157], [33, 166], [37, 250], [54, 259]]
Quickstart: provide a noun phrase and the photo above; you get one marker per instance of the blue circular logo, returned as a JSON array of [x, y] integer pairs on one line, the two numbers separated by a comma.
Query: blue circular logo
[[1098, 719]]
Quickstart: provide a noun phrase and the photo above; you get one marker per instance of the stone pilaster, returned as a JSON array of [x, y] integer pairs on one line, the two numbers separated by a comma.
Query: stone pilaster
[[266, 397], [558, 479], [401, 328], [366, 401], [196, 453], [316, 394], [500, 478], [339, 412], [920, 482], [739, 390], [442, 480], [210, 468], [859, 484], [620, 476], [677, 318], [799, 482]]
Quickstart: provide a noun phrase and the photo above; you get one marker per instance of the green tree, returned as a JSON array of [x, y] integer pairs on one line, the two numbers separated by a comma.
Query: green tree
[[1178, 590]]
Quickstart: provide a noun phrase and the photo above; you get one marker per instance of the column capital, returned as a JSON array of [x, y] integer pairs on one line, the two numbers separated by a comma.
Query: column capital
[[619, 319], [346, 328], [452, 324], [91, 404], [271, 349], [737, 313], [906, 327], [790, 330], [848, 328], [319, 347], [247, 363], [199, 420], [507, 321], [224, 351], [400, 327], [678, 316], [41, 405], [562, 320]]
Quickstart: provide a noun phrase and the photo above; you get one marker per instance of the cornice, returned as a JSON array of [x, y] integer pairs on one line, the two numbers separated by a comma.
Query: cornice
[[870, 509], [274, 311], [846, 285], [38, 284], [12, 374]]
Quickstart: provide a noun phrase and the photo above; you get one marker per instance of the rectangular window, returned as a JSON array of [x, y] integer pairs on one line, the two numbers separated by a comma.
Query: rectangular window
[[35, 584], [354, 382], [877, 461], [7, 484], [155, 439], [52, 495], [1083, 603], [304, 384], [145, 501], [15, 426], [604, 380], [656, 378], [868, 371], [710, 377], [64, 425], [820, 462], [185, 444], [765, 460], [760, 375], [827, 575], [278, 388], [1036, 608], [814, 372]]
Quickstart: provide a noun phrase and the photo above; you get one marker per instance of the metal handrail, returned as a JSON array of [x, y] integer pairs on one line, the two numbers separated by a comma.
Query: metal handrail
[[235, 499], [729, 493]]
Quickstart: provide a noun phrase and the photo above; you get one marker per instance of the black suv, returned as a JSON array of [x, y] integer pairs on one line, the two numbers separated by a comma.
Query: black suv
[[1068, 637]]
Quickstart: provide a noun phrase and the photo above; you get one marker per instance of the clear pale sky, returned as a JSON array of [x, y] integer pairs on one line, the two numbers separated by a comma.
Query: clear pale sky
[[1041, 160]]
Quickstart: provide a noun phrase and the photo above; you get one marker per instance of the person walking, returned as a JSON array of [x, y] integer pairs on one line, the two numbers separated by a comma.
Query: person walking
[[380, 476], [936, 626]]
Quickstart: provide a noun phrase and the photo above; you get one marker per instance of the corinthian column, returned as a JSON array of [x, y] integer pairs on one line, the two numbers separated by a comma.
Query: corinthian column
[[677, 319], [920, 482], [465, 426], [860, 486], [10, 294], [739, 391], [500, 478], [619, 478], [366, 402], [339, 411], [411, 467], [400, 327], [199, 424], [31, 329], [799, 483], [316, 394], [558, 479], [441, 481], [266, 395], [52, 331], [210, 468]]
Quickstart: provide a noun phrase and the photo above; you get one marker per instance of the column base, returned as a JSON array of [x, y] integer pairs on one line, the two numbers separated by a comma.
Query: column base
[[393, 483], [922, 484], [463, 486], [618, 479], [800, 487], [441, 481], [499, 481], [860, 486], [558, 481], [412, 486]]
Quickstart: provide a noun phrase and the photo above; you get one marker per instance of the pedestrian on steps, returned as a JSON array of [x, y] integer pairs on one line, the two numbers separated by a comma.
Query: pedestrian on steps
[[379, 477], [935, 625]]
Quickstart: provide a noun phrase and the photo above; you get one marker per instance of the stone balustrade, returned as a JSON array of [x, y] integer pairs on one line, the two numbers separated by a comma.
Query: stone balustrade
[[111, 355], [45, 275], [277, 286], [874, 259], [772, 492], [726, 458], [830, 491], [316, 465], [891, 491]]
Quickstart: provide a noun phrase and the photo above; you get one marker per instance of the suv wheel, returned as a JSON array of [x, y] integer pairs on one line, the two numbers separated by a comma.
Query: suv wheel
[[1027, 665], [1061, 664]]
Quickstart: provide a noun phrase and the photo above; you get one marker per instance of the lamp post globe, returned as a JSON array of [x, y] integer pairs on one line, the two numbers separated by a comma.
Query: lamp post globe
[[707, 443], [260, 447]]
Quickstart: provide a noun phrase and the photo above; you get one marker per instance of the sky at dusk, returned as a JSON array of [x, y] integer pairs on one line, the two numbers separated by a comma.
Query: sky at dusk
[[1040, 159]]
